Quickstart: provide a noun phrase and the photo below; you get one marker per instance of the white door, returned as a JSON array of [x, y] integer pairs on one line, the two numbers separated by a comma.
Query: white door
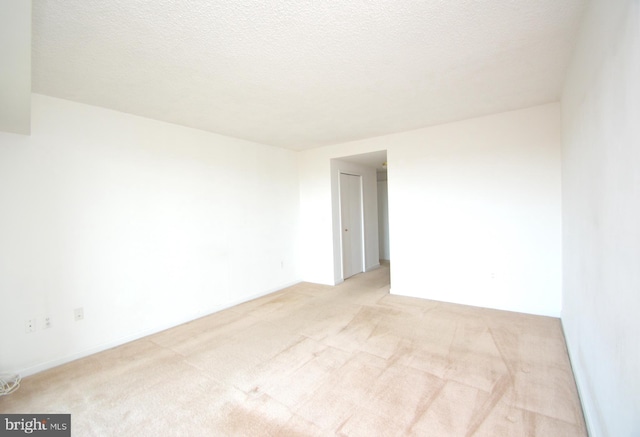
[[351, 221]]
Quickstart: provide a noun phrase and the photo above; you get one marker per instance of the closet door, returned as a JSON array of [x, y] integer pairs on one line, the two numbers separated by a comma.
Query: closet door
[[351, 221]]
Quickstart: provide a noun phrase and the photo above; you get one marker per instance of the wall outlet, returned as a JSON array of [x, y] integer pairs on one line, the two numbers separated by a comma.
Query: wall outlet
[[30, 326], [46, 322], [78, 314]]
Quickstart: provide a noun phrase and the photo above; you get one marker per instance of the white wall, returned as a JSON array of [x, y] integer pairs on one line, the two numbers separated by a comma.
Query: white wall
[[15, 59], [474, 210], [144, 224], [383, 220], [601, 217]]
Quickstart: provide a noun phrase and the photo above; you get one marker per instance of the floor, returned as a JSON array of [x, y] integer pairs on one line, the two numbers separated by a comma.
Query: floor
[[311, 360]]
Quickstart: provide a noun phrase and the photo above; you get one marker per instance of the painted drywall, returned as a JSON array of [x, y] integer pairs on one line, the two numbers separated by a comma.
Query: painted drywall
[[15, 73], [369, 212], [383, 220], [144, 224], [474, 210], [601, 217]]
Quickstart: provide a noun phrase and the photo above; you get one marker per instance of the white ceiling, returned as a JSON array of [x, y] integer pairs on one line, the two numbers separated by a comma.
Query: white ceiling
[[378, 159], [301, 74]]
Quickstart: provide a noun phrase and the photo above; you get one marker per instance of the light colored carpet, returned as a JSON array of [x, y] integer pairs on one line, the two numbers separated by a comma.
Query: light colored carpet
[[317, 360]]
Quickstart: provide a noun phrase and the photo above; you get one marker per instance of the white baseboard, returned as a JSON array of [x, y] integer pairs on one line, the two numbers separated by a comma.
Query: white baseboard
[[141, 334], [589, 411]]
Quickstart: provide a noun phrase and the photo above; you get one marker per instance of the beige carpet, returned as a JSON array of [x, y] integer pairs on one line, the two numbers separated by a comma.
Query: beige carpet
[[317, 360]]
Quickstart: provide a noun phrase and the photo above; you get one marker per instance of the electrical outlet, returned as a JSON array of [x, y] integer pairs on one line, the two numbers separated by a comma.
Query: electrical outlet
[[30, 326], [78, 314], [47, 322]]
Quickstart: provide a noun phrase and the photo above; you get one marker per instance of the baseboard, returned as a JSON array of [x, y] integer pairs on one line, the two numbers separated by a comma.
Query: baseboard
[[144, 333], [588, 412], [402, 292], [373, 267]]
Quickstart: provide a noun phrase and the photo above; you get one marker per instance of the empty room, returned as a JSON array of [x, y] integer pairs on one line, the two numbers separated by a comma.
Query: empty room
[[284, 218]]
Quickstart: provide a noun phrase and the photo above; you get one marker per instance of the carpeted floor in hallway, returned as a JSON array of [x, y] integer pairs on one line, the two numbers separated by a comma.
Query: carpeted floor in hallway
[[315, 360]]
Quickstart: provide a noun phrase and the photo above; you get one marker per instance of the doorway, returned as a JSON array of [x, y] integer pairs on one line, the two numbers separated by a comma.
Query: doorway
[[365, 170], [351, 224]]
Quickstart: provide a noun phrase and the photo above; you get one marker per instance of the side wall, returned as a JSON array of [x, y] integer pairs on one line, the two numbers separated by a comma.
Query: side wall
[[474, 210], [601, 217], [144, 224], [383, 220]]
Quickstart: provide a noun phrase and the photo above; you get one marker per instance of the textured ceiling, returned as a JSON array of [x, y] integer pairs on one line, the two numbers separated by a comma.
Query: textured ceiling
[[301, 74]]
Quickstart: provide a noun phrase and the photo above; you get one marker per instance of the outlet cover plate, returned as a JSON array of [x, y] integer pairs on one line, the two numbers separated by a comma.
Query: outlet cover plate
[[30, 326], [78, 314]]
